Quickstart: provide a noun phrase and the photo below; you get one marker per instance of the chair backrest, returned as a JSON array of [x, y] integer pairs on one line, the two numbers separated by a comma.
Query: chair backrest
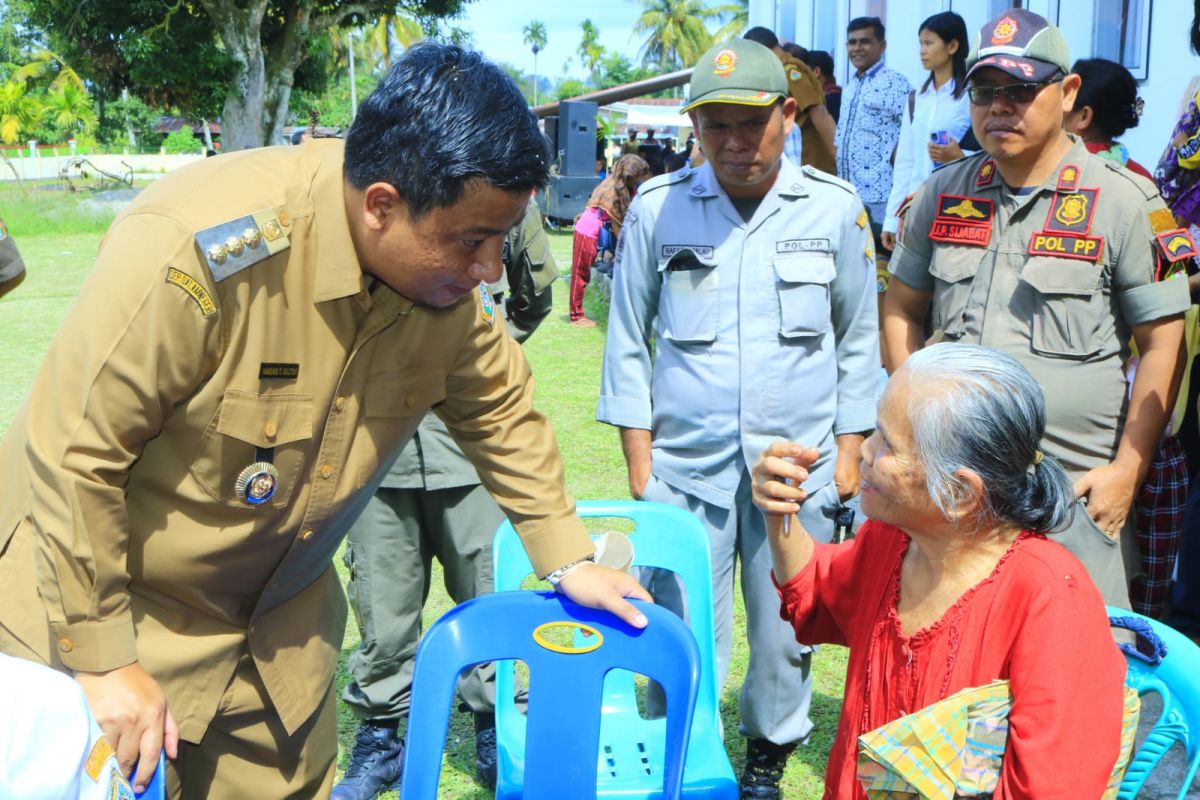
[[566, 679], [665, 537], [1176, 679]]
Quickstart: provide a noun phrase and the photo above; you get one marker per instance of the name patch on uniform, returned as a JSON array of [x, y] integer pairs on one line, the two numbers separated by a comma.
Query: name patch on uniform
[[194, 289], [802, 246], [1059, 245], [701, 250], [487, 306], [1176, 245], [962, 220], [274, 371], [1071, 211]]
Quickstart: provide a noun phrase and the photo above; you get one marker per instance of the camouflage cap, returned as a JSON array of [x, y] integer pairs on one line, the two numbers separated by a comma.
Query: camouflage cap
[[739, 71], [1021, 44]]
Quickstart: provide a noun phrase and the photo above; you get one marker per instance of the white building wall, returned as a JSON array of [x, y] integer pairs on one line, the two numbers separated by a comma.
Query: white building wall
[[1169, 63]]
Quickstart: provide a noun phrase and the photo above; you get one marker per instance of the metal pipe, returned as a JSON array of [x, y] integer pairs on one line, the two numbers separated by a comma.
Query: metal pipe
[[618, 93]]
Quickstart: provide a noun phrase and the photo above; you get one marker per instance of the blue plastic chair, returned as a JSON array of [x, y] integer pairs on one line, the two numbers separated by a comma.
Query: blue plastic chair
[[630, 762], [567, 679], [1176, 679]]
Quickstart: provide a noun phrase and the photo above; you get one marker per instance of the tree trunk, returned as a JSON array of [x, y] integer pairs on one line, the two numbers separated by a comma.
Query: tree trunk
[[208, 142], [241, 34]]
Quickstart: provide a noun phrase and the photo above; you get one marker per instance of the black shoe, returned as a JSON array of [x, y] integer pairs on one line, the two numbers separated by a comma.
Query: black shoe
[[485, 750], [375, 763], [764, 770]]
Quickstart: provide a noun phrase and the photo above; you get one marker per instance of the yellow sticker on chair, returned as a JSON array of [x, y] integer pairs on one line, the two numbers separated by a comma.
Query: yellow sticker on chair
[[540, 635]]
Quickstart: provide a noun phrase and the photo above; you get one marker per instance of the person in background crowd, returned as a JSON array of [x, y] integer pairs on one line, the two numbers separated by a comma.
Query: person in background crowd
[[822, 65], [1058, 257], [739, 287], [12, 266], [811, 139], [630, 145], [873, 104], [937, 117], [1107, 105], [952, 583], [602, 218]]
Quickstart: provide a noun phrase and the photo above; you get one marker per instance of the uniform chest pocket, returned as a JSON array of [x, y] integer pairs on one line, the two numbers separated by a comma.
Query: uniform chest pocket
[[1065, 306], [403, 395], [803, 283], [688, 308], [244, 423], [953, 270]]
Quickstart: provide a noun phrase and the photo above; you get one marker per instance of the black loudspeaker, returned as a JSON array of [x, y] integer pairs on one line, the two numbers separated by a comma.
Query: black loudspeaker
[[575, 141]]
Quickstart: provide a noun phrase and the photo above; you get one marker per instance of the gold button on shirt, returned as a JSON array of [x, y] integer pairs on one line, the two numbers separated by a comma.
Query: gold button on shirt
[[129, 542]]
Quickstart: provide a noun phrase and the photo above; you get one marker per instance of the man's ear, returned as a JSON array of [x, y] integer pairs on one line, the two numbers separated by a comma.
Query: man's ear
[[381, 204], [1070, 88]]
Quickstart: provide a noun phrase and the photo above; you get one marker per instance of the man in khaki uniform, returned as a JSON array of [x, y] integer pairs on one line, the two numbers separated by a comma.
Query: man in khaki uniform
[[1042, 250], [12, 266], [261, 333], [431, 505]]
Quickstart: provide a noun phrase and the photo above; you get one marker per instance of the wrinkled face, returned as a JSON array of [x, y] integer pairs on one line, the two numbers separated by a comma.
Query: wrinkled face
[[893, 478], [864, 48], [443, 256], [935, 53], [744, 144], [1011, 130]]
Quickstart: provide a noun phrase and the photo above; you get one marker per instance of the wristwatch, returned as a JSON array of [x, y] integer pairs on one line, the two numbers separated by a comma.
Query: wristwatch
[[557, 575]]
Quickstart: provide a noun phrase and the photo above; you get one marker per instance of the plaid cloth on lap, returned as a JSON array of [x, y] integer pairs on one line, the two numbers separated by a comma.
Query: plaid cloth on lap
[[955, 748], [1159, 509]]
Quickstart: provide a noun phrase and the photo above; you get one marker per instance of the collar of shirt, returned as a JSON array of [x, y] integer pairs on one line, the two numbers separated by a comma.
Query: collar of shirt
[[1076, 155], [871, 72], [789, 182], [338, 271]]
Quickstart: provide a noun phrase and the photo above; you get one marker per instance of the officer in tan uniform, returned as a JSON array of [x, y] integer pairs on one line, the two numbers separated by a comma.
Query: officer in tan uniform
[[12, 266], [1056, 256], [260, 334]]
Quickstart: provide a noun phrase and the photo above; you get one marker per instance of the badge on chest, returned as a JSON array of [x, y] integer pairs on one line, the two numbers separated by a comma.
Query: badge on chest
[[962, 220], [1069, 221]]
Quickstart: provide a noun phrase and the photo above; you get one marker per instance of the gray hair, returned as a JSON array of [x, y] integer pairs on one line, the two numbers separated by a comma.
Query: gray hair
[[978, 409]]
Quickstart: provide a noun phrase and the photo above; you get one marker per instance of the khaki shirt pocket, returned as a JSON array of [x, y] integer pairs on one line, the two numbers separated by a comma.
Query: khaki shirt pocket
[[953, 270], [393, 406], [803, 284], [1065, 307], [688, 307], [244, 422]]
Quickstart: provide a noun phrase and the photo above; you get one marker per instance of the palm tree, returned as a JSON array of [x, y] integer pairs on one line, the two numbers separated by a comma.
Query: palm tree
[[591, 52], [44, 62], [70, 109], [677, 33], [19, 112], [535, 37], [739, 12]]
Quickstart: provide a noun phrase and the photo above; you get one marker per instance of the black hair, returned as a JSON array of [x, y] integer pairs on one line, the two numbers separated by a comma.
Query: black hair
[[949, 27], [1111, 91], [1196, 27], [766, 37], [875, 23], [795, 51], [819, 59], [442, 117]]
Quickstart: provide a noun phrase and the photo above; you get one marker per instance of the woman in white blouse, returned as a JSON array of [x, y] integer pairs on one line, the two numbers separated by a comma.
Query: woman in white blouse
[[937, 117]]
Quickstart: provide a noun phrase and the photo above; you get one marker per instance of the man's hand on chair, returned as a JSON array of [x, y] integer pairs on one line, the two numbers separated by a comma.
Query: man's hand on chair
[[595, 586], [131, 709]]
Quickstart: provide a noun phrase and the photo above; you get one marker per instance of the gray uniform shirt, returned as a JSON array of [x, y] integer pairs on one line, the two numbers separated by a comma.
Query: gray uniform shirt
[[11, 264], [1055, 277]]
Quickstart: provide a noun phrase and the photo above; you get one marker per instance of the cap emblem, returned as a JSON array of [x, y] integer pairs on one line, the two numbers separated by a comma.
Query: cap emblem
[[1004, 31], [724, 62]]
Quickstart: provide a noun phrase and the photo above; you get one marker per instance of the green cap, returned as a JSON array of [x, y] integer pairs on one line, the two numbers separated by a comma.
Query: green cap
[[739, 71], [1022, 44]]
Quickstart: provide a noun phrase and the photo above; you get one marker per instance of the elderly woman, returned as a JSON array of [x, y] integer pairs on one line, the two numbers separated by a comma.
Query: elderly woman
[[952, 582]]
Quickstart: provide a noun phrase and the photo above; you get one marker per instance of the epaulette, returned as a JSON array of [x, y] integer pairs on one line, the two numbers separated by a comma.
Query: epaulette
[[667, 179], [1146, 187], [945, 164], [242, 242], [825, 177]]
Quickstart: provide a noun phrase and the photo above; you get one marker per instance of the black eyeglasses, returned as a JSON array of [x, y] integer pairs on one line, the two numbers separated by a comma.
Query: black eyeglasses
[[1016, 93]]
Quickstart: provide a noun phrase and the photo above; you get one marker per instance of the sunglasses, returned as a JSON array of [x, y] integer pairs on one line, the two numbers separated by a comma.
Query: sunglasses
[[1016, 93]]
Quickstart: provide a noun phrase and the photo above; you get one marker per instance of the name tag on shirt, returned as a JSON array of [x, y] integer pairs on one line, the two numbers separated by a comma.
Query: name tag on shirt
[[803, 246], [701, 250]]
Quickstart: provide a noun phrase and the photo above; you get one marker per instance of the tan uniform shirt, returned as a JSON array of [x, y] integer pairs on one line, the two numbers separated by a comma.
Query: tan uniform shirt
[[808, 92], [164, 384], [1055, 278]]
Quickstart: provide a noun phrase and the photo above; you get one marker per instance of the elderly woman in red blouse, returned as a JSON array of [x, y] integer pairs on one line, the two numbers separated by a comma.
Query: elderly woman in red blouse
[[952, 583]]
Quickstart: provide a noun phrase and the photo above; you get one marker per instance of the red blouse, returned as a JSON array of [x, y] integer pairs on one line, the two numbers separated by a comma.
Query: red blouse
[[1037, 621], [1131, 165]]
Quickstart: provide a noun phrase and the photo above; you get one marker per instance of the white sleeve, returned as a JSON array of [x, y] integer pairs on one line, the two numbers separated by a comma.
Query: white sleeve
[[902, 171]]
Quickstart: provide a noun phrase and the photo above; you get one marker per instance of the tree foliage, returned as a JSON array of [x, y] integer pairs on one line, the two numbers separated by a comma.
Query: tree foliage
[[676, 33]]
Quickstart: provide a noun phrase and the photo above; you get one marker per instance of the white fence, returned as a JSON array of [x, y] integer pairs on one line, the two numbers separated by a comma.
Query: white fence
[[44, 166]]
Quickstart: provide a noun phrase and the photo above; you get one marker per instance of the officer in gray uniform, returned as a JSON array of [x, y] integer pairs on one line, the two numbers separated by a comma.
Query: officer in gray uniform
[[12, 267], [1057, 257], [431, 505], [753, 279]]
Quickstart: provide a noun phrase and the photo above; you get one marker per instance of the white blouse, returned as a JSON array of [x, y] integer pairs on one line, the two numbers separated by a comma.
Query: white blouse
[[934, 110]]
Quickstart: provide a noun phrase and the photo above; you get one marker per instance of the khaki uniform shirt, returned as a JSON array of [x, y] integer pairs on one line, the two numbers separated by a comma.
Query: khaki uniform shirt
[[164, 384], [808, 92], [1055, 278]]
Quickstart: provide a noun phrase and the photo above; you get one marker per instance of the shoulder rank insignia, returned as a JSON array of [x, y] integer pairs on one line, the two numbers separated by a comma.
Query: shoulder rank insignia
[[1068, 177], [863, 219], [962, 220], [487, 306], [233, 246], [987, 171], [1176, 245], [194, 289], [1161, 219]]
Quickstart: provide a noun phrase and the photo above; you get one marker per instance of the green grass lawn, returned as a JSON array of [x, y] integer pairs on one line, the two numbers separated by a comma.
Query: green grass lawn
[[58, 234]]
